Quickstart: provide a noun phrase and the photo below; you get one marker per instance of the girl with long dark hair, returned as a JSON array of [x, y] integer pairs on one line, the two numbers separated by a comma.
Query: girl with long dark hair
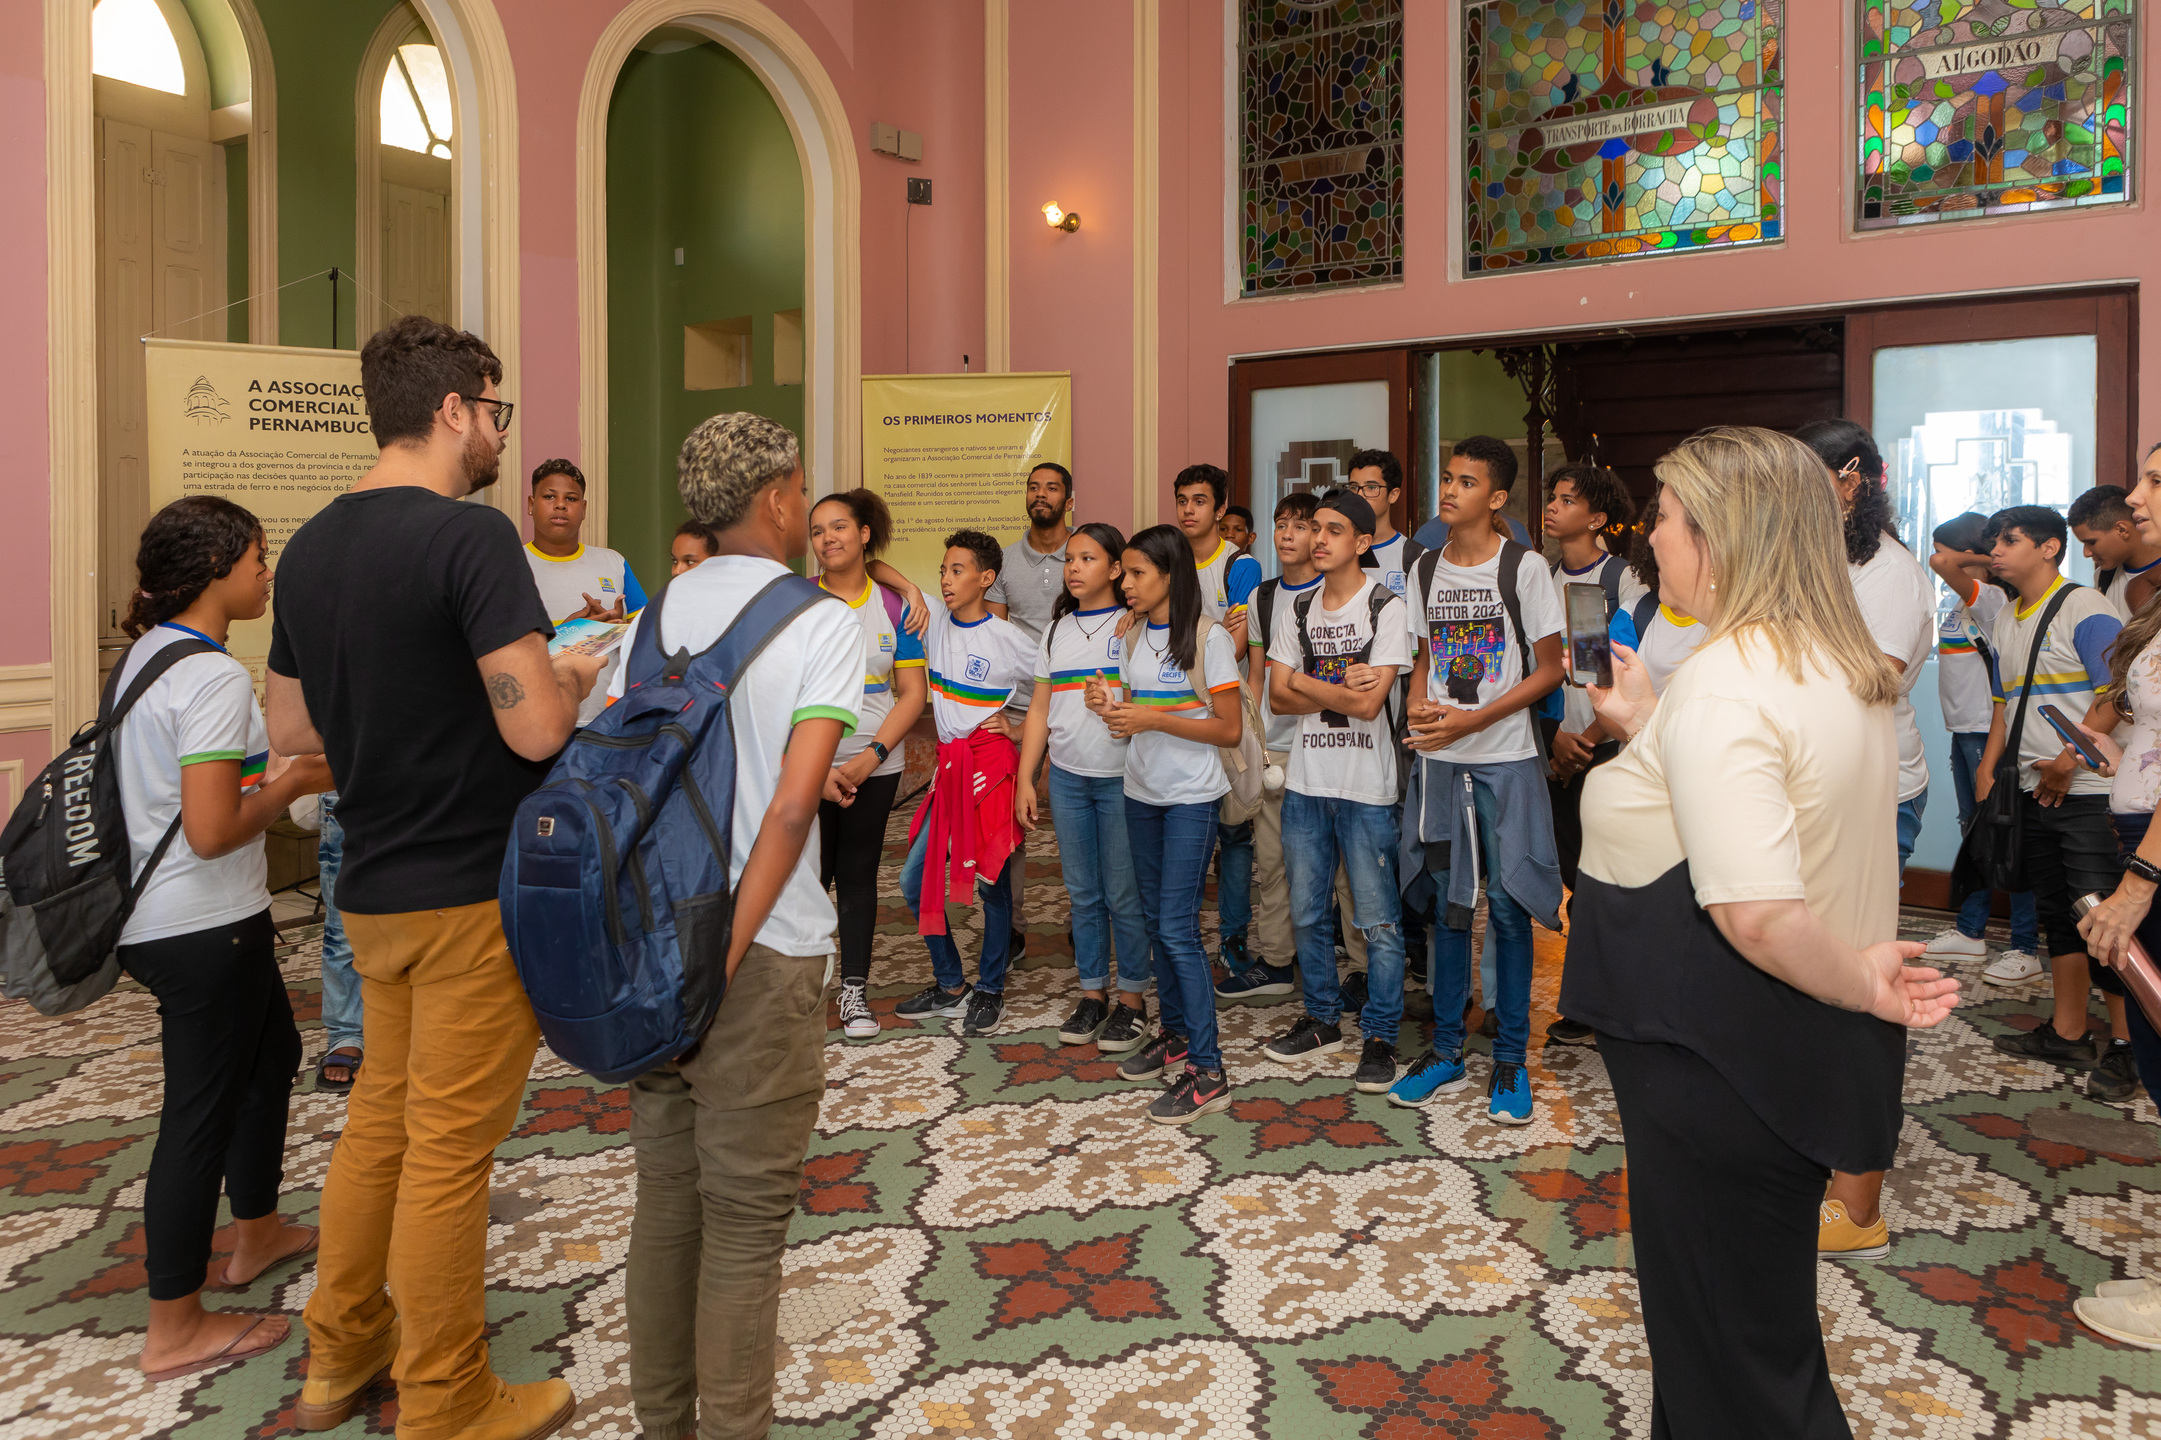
[[1087, 793], [846, 533], [193, 760], [1173, 781]]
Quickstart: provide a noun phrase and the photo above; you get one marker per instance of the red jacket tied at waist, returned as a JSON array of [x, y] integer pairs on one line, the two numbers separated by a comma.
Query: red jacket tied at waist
[[972, 827]]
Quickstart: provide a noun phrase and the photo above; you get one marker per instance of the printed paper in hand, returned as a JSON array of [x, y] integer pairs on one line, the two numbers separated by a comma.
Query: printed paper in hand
[[589, 637]]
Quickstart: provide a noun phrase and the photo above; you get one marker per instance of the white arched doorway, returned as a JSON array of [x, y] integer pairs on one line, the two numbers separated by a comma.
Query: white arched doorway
[[832, 339]]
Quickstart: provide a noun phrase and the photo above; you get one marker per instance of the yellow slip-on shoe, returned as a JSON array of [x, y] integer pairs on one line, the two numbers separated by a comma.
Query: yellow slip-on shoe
[[1838, 1238], [523, 1412], [328, 1401]]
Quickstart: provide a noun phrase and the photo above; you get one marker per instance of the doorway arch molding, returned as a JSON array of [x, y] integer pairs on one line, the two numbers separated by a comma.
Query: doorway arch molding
[[832, 188]]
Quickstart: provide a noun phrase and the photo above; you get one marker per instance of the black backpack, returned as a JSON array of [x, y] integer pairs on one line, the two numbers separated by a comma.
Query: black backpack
[[65, 895]]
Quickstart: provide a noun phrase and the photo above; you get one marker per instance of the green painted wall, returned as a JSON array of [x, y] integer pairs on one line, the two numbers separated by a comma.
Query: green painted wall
[[700, 157], [225, 51], [316, 48]]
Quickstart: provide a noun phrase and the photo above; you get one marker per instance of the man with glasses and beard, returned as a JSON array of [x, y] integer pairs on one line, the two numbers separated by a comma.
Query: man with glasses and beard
[[411, 646]]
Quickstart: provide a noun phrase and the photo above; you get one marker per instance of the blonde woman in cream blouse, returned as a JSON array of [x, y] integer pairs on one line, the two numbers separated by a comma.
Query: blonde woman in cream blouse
[[1734, 938]]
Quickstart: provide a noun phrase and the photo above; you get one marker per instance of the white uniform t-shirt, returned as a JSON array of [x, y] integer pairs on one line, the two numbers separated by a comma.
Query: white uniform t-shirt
[[1577, 713], [202, 709], [1471, 652], [2117, 591], [1898, 604], [812, 671], [1075, 648], [975, 669], [1670, 638], [887, 649], [1228, 579], [564, 582], [1166, 769], [1391, 562], [1280, 731], [1338, 757], [1962, 677]]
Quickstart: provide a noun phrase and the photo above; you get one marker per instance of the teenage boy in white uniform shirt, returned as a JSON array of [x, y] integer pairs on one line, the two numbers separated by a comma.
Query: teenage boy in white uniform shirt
[[1337, 673], [2069, 841], [2127, 567], [1965, 687], [1472, 690], [1273, 969], [577, 581]]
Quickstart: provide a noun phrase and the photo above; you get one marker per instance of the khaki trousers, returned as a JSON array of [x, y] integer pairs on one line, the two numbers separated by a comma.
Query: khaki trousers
[[1271, 938], [450, 1041], [719, 1137]]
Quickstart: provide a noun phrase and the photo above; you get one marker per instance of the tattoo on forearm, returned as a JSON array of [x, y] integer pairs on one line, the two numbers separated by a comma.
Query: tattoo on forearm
[[504, 691]]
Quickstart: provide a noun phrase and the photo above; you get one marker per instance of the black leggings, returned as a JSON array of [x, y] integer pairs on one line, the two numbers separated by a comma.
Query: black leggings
[[851, 843], [230, 1054], [1723, 1213]]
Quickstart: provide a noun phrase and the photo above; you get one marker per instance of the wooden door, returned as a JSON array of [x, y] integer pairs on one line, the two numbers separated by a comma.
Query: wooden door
[[1327, 447]]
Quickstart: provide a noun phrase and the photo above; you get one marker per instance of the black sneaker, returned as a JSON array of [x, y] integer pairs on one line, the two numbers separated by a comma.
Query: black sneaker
[[1127, 1029], [1377, 1067], [2043, 1043], [1564, 1031], [1308, 1039], [930, 1000], [1084, 1023], [1197, 1093], [1490, 1027], [1165, 1052], [1017, 945], [1354, 993], [985, 1010], [2115, 1079]]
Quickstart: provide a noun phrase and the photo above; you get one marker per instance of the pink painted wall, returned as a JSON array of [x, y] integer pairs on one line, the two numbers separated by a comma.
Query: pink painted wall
[[1819, 263], [25, 492]]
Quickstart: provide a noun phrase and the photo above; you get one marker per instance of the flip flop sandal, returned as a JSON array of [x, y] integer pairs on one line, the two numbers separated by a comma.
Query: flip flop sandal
[[228, 1287], [338, 1059], [227, 1356]]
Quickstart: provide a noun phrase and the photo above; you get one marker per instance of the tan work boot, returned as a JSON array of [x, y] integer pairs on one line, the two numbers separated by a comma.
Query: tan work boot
[[523, 1412], [328, 1401]]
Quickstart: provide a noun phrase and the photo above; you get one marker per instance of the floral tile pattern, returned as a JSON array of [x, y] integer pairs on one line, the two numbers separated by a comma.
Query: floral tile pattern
[[992, 1240]]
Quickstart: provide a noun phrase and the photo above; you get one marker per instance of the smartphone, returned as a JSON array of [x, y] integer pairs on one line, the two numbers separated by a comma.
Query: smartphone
[[1590, 648], [2062, 725]]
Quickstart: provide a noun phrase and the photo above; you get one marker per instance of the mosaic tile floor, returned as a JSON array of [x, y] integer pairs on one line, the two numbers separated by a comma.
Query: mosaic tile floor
[[994, 1242]]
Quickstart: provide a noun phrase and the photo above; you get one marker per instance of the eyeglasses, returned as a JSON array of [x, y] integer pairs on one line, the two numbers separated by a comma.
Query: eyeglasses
[[1371, 490], [502, 409]]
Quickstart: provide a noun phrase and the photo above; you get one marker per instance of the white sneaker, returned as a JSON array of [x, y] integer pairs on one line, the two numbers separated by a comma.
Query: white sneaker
[[2124, 1289], [1952, 945], [856, 1021], [2014, 967], [2133, 1319]]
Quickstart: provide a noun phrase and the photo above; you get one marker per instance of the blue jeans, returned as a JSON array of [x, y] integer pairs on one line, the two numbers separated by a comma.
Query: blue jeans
[[997, 898], [1508, 953], [1089, 813], [1966, 751], [341, 986], [1909, 827], [1234, 879], [1317, 833], [1171, 844]]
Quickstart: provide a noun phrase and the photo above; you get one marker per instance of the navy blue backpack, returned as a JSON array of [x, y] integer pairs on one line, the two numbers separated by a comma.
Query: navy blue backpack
[[615, 893]]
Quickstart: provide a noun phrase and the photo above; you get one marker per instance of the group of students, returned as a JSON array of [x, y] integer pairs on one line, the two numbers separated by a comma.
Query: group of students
[[1401, 696]]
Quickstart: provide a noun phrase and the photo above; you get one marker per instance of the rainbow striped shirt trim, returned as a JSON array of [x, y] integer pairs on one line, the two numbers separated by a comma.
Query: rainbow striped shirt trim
[[976, 695]]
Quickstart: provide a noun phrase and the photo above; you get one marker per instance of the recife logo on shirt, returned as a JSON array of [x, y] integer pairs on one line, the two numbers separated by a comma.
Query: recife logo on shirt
[[978, 668], [1393, 579], [606, 585], [1117, 649], [885, 642], [1169, 672]]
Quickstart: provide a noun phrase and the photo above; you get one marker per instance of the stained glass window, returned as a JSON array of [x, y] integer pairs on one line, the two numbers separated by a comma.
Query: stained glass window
[[1320, 144], [1990, 107], [1602, 129]]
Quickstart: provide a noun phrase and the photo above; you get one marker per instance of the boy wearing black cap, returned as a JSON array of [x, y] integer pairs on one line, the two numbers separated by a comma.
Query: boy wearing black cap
[[1334, 666]]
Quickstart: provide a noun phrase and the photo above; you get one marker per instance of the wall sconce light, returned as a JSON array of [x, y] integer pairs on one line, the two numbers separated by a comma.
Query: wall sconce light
[[1061, 219]]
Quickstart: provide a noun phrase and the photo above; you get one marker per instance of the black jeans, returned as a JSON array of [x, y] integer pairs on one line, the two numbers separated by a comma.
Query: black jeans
[[230, 1054], [1724, 1218], [851, 842], [2067, 850]]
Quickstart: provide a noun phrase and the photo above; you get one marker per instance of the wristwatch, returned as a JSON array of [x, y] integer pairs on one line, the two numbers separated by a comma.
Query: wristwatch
[[883, 753]]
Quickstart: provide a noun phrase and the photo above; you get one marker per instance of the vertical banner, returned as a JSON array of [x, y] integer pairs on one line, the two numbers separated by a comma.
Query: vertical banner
[[278, 430], [953, 452]]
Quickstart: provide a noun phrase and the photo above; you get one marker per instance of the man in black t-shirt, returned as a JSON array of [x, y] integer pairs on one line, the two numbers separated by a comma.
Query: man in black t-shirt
[[410, 645]]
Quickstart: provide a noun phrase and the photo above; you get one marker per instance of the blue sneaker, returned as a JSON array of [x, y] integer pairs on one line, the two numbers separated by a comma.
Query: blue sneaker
[[1255, 980], [1434, 1074], [1508, 1094]]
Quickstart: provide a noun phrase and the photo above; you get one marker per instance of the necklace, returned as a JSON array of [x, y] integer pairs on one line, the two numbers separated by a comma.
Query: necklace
[[1109, 619]]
